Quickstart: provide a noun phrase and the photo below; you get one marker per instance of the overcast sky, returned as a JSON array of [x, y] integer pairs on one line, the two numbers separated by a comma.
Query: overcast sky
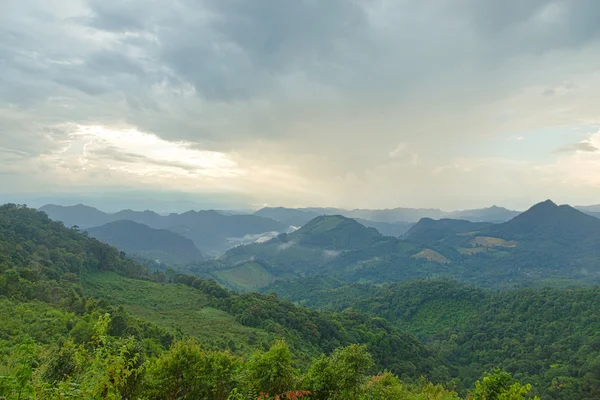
[[372, 103]]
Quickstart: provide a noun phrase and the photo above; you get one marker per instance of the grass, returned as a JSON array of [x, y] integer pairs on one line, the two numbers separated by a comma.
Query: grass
[[488, 241], [248, 277], [472, 250], [431, 255], [171, 306]]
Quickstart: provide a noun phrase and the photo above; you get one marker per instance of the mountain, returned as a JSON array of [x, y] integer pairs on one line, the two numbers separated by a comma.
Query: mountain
[[589, 209], [288, 216], [155, 244], [79, 215], [390, 222], [545, 245], [490, 214], [399, 214], [335, 232], [81, 318], [299, 217], [147, 217], [395, 229], [428, 229], [212, 232], [560, 225]]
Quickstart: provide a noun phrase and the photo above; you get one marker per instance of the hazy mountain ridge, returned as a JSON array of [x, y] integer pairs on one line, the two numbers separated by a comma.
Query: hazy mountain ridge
[[545, 243], [428, 229], [300, 216], [156, 244], [210, 230]]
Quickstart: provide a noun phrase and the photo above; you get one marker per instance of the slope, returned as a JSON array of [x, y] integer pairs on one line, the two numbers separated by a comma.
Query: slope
[[428, 230], [547, 337], [79, 215], [42, 261], [156, 244]]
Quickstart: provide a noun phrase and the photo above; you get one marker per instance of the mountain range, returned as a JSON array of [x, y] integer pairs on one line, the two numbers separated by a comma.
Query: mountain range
[[547, 244], [400, 215], [210, 231]]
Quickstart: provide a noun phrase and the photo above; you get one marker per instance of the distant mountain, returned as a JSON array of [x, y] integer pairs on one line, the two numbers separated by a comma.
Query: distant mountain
[[212, 232], [589, 209], [80, 215], [288, 216], [547, 222], [156, 244], [392, 215], [490, 214], [331, 244], [399, 219], [545, 245], [395, 229], [335, 232], [147, 217], [428, 229]]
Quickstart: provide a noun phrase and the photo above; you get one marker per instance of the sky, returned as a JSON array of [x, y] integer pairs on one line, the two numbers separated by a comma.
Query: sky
[[450, 104]]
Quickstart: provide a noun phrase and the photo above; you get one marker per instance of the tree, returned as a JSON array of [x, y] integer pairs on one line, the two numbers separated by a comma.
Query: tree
[[272, 372], [341, 375], [499, 385]]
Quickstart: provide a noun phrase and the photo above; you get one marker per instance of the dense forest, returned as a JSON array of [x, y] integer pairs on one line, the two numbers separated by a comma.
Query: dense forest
[[547, 337], [82, 320]]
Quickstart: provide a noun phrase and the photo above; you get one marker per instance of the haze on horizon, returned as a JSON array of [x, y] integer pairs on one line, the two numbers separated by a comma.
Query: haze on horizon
[[355, 104]]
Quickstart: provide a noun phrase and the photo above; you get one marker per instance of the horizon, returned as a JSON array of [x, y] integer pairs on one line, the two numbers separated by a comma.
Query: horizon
[[181, 209]]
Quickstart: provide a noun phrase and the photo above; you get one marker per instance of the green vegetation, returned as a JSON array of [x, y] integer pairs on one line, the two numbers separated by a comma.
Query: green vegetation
[[245, 277], [547, 337], [81, 320], [547, 243], [109, 367]]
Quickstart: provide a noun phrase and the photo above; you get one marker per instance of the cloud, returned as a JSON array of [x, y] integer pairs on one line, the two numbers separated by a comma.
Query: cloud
[[296, 102], [575, 147]]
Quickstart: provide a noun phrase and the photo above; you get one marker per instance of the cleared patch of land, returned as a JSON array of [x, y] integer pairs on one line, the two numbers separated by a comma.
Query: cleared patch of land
[[431, 255], [247, 277], [488, 241], [471, 250]]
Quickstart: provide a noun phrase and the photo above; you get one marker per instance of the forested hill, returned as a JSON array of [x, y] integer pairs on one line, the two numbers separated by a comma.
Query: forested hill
[[57, 339], [548, 337]]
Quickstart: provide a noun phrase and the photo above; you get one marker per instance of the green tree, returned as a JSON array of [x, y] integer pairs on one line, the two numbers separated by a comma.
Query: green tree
[[187, 371], [272, 372], [341, 375], [499, 385]]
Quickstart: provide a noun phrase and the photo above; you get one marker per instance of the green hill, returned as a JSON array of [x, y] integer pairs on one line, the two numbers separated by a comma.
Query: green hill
[[335, 233], [548, 337], [80, 320], [42, 261]]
